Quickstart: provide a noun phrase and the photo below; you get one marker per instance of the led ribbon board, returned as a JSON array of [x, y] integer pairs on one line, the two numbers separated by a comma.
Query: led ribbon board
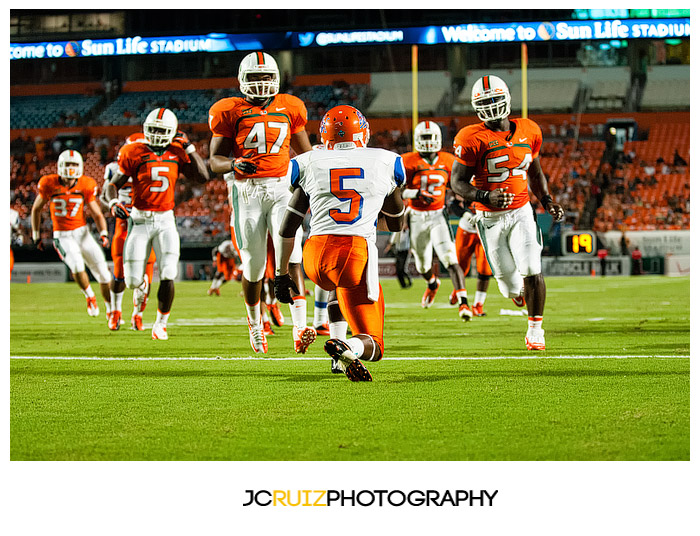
[[468, 33]]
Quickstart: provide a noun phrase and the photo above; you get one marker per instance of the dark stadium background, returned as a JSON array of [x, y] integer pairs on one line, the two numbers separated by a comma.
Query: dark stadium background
[[642, 190]]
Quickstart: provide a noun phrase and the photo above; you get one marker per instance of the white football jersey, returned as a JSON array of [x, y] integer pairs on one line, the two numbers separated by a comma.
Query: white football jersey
[[346, 187]]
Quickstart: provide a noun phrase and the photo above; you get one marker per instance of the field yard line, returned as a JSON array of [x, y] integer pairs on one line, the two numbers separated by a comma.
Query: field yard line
[[295, 358]]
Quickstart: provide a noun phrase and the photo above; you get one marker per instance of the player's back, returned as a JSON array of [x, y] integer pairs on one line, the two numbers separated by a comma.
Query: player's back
[[347, 187]]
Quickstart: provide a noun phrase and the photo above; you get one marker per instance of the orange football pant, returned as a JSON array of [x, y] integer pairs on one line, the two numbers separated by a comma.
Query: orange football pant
[[468, 244], [339, 262]]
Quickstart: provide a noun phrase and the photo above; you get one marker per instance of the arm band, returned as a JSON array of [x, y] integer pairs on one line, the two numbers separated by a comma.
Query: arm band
[[295, 211], [113, 202], [410, 193], [191, 149], [482, 196], [546, 199], [395, 215], [36, 235]]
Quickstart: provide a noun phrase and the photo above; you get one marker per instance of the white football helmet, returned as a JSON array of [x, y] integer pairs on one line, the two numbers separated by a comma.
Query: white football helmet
[[259, 63], [160, 127], [427, 137], [491, 98], [70, 165]]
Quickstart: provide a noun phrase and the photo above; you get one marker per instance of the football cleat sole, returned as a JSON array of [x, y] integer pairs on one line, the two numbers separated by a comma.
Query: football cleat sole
[[355, 370]]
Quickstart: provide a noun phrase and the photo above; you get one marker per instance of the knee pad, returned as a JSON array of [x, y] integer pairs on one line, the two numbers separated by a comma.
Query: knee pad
[[169, 271]]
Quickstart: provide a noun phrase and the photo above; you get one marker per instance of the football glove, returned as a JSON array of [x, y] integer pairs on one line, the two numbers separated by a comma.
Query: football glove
[[243, 165], [104, 239], [284, 286], [182, 138], [118, 210]]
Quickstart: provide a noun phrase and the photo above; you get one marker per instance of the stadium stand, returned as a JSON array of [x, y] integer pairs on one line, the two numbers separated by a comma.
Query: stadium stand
[[51, 110], [393, 93]]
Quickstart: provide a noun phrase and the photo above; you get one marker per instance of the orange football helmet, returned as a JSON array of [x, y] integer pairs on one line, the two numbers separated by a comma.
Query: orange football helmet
[[344, 126]]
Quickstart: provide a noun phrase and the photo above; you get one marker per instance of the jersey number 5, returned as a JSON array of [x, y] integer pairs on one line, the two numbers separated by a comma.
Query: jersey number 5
[[354, 211]]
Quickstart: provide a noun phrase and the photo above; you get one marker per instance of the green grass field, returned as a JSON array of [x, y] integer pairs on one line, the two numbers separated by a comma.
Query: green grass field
[[614, 383]]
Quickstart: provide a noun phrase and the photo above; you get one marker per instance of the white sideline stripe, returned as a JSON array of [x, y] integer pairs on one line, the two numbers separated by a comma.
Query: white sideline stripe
[[435, 358]]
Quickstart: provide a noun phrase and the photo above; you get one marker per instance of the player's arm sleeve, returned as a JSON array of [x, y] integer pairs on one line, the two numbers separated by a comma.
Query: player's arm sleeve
[[464, 150], [300, 118], [399, 175], [217, 124]]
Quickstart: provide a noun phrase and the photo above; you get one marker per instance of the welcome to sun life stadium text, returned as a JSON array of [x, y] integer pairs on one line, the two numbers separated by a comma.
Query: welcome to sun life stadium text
[[382, 497]]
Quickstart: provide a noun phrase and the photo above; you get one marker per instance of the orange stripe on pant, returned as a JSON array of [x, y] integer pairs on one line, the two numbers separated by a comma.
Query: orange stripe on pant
[[339, 262], [468, 244]]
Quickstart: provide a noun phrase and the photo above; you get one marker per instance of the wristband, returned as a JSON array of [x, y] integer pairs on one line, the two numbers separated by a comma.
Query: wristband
[[36, 235], [546, 199], [113, 202], [191, 149], [233, 165], [482, 196], [104, 233]]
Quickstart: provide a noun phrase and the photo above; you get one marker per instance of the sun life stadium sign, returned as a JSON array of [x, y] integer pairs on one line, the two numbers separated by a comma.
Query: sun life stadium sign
[[427, 35]]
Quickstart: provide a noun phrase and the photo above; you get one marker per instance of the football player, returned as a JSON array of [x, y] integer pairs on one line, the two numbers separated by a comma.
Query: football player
[[468, 244], [226, 260], [251, 137], [69, 193], [140, 294], [502, 156], [348, 187], [428, 171], [154, 165]]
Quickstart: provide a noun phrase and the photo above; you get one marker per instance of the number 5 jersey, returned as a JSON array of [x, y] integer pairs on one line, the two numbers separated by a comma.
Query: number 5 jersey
[[347, 187]]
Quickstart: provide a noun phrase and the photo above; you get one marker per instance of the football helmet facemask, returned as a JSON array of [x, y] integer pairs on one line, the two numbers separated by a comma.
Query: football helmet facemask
[[259, 63], [344, 127], [70, 165], [427, 138], [491, 98], [160, 127]]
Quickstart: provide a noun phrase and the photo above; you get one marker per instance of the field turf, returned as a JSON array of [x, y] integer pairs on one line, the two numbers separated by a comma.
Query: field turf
[[613, 384]]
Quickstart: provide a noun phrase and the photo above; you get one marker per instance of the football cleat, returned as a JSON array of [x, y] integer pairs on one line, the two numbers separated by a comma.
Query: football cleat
[[141, 295], [465, 312], [213, 292], [159, 332], [115, 320], [453, 298], [92, 308], [258, 341], [478, 309], [534, 339], [136, 322], [267, 328], [429, 296], [323, 330], [519, 301], [343, 358], [303, 337], [276, 314]]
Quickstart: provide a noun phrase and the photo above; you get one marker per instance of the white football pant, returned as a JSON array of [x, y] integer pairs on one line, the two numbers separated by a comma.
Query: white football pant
[[78, 247], [258, 206], [148, 228], [513, 246], [429, 230]]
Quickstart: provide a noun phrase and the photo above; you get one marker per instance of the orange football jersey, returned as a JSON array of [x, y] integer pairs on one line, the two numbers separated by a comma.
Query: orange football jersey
[[500, 159], [153, 174], [261, 133], [432, 178], [67, 204]]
